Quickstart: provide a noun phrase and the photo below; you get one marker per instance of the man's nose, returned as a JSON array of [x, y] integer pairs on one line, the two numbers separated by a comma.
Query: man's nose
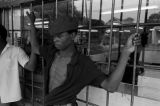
[[55, 38]]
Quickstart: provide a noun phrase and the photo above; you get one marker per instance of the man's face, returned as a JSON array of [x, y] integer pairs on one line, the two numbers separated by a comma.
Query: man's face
[[63, 40]]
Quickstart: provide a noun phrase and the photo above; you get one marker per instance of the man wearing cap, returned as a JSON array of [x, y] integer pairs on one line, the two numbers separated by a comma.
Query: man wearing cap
[[67, 71]]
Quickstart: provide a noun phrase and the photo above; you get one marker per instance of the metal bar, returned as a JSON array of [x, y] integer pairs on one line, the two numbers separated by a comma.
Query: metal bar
[[72, 8], [21, 21], [146, 65], [12, 26], [145, 21], [90, 27], [42, 43], [114, 26], [120, 34], [1, 16], [21, 31], [42, 23], [135, 53], [4, 17], [82, 10], [56, 9], [146, 11], [145, 30], [37, 85], [87, 95], [7, 14], [110, 46], [100, 11], [86, 8], [92, 104], [32, 74], [107, 99], [7, 18], [125, 25], [89, 45], [67, 4]]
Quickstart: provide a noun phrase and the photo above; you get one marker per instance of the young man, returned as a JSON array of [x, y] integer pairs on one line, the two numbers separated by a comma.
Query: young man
[[10, 58], [68, 71]]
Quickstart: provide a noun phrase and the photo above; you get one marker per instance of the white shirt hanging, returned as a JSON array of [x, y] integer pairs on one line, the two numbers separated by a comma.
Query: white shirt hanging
[[10, 58]]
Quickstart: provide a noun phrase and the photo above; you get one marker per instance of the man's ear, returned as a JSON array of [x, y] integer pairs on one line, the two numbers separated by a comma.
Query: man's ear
[[73, 35]]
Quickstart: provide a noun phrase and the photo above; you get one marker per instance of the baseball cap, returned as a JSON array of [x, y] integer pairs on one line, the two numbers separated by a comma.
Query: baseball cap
[[63, 24]]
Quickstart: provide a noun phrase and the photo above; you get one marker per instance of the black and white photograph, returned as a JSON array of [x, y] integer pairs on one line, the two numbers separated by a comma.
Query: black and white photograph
[[79, 52]]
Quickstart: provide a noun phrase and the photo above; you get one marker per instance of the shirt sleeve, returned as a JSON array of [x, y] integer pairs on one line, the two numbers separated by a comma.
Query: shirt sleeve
[[97, 81], [92, 74], [22, 57]]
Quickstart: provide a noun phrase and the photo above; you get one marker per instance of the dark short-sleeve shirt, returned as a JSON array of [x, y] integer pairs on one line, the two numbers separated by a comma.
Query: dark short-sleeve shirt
[[81, 71]]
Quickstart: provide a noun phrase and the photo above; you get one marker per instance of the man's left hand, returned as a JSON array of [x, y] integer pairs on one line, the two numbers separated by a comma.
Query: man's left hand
[[133, 40]]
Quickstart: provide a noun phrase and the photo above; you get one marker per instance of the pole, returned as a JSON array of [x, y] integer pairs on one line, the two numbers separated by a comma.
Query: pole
[[135, 54]]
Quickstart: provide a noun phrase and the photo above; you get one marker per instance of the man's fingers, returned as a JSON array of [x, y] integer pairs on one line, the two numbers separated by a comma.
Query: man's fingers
[[136, 39], [27, 13], [30, 14], [136, 43]]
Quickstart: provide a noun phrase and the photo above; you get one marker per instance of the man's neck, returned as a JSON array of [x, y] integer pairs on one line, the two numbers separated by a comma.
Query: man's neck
[[67, 52]]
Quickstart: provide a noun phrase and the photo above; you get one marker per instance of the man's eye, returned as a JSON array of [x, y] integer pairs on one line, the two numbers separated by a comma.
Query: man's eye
[[60, 36], [57, 36]]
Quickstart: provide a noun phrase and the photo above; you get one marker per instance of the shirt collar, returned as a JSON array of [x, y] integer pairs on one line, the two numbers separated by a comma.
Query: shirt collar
[[5, 48], [74, 58]]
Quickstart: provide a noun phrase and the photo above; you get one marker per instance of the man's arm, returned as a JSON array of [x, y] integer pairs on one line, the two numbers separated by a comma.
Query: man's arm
[[112, 82], [31, 64], [33, 38]]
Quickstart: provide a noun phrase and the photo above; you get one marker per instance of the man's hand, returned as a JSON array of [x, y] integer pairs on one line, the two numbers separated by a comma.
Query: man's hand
[[31, 17], [133, 40]]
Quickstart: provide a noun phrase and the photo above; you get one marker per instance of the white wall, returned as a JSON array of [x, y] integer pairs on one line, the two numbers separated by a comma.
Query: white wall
[[98, 96]]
